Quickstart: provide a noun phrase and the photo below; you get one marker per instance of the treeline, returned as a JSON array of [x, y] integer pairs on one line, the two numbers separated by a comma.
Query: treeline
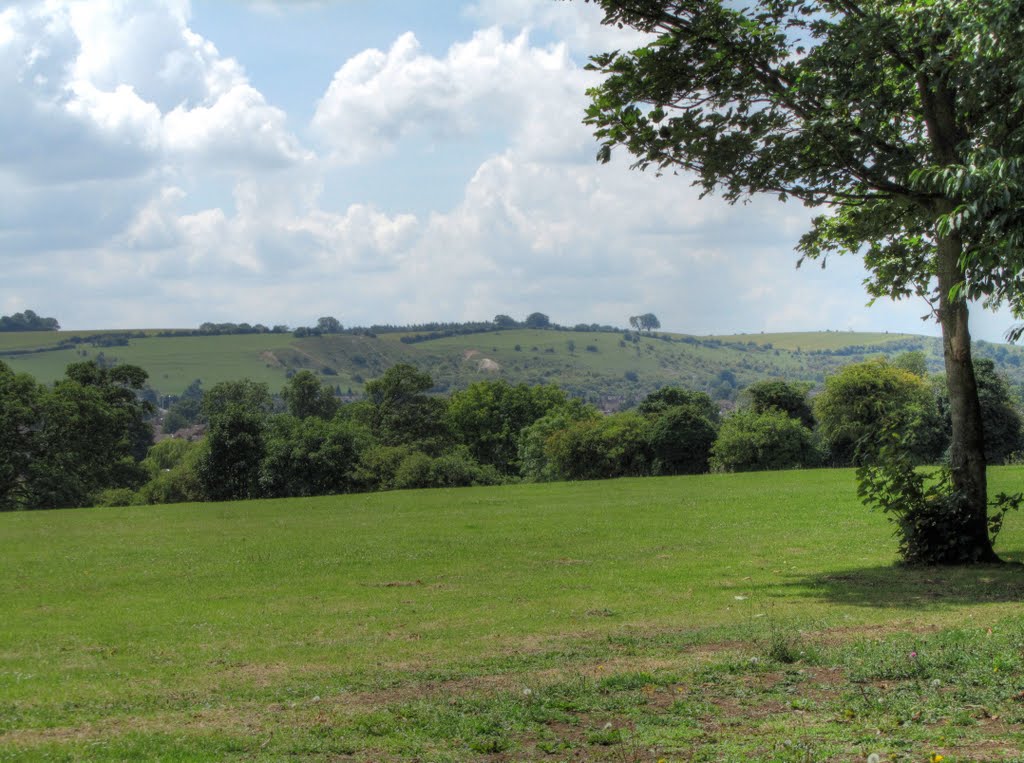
[[28, 321], [85, 440]]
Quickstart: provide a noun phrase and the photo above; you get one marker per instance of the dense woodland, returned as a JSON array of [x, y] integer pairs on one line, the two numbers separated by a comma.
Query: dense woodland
[[88, 439]]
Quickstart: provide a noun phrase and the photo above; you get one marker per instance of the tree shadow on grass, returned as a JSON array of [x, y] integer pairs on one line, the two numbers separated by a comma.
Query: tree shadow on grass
[[924, 588]]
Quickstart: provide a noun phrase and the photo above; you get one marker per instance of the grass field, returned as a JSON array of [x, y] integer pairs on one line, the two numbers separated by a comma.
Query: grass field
[[745, 617]]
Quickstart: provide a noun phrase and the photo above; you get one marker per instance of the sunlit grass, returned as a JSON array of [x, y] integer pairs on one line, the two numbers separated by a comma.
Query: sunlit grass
[[144, 619]]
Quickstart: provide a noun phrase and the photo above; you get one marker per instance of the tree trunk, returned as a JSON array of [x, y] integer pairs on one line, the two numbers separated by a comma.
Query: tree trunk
[[967, 449]]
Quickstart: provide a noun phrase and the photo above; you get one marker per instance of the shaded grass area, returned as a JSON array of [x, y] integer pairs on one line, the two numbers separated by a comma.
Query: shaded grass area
[[679, 618]]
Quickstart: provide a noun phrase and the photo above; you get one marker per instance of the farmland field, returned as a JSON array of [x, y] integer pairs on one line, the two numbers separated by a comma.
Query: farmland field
[[617, 366], [754, 616]]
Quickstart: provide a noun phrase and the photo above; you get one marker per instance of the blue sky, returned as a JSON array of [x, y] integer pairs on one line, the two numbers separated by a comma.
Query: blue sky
[[169, 163]]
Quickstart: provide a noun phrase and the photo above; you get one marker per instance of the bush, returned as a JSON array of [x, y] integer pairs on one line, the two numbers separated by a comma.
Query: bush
[[862, 399], [600, 448], [751, 441], [454, 469], [116, 496], [934, 524], [680, 440]]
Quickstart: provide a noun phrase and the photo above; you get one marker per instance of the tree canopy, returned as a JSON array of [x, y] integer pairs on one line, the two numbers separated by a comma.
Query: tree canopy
[[903, 121]]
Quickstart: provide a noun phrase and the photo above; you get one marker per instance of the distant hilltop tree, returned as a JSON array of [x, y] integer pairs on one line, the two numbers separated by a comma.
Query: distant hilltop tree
[[28, 321], [537, 321], [646, 322], [329, 325]]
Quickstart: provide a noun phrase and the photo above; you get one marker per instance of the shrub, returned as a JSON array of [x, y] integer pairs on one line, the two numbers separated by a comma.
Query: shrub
[[862, 399], [680, 439], [934, 524], [116, 496], [751, 441]]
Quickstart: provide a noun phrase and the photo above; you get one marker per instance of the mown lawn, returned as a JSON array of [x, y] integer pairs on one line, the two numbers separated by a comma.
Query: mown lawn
[[755, 617]]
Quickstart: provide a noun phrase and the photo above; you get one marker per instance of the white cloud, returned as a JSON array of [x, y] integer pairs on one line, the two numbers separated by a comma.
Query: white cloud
[[111, 88], [578, 24], [488, 85]]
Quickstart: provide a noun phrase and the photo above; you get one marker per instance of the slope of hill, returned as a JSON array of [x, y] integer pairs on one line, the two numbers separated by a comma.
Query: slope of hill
[[609, 367]]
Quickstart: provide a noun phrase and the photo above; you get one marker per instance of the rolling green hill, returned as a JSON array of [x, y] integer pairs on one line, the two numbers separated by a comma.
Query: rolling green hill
[[611, 368]]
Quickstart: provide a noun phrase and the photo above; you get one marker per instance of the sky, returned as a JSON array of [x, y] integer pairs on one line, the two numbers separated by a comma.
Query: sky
[[167, 163]]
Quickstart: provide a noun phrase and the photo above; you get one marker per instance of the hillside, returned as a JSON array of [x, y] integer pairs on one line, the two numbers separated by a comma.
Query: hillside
[[615, 368]]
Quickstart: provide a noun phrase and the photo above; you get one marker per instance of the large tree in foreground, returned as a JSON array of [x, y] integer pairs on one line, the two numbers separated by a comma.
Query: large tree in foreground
[[903, 121]]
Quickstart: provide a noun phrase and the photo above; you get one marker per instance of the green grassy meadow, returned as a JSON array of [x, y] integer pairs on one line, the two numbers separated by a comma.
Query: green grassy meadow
[[718, 617]]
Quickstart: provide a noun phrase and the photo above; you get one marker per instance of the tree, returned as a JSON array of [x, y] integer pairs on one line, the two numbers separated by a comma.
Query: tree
[[328, 325], [603, 447], [489, 416], [310, 456], [757, 441], [537, 321], [90, 433], [20, 400], [789, 398], [668, 397], [648, 322], [999, 415], [913, 361], [28, 321], [305, 396], [902, 120], [505, 321], [862, 401], [679, 439], [229, 466], [401, 413]]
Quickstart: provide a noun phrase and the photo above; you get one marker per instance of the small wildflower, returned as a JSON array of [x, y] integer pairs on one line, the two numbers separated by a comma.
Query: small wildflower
[[874, 758], [527, 692], [936, 758], [913, 655]]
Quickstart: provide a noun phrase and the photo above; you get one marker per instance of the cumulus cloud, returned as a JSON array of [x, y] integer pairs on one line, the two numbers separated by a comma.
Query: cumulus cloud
[[489, 84], [110, 88]]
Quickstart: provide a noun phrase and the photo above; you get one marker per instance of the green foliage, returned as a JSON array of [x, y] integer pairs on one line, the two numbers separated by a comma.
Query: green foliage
[[488, 417], [378, 465], [183, 413], [913, 361], [85, 434], [453, 469], [305, 396], [600, 448], [20, 400], [229, 465], [1000, 418], [400, 413], [310, 456], [933, 523], [535, 442], [173, 468], [862, 399], [669, 397], [790, 398], [679, 437], [752, 441]]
